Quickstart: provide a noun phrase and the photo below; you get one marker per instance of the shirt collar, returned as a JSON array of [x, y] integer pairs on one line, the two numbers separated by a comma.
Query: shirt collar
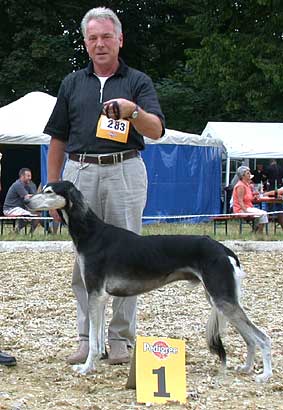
[[121, 70]]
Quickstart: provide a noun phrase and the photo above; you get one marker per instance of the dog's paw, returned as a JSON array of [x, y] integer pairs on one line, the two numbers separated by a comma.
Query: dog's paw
[[83, 369], [263, 378]]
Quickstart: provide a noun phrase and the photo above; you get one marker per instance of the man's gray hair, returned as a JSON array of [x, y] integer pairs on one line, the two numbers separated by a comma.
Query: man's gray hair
[[241, 171], [99, 13]]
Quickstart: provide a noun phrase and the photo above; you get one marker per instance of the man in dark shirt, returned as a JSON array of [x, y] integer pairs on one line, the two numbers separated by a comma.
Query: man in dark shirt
[[101, 115], [274, 173], [21, 189]]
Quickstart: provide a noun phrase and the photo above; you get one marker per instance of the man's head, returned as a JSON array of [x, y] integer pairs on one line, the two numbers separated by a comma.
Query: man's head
[[259, 167], [102, 31], [25, 175]]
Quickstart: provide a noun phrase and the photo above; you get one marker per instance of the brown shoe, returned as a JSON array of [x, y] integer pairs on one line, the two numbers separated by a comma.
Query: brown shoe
[[118, 353], [81, 354]]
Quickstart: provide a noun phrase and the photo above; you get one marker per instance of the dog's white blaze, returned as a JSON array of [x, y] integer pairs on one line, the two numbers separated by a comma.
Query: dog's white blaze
[[81, 263], [65, 216], [238, 275]]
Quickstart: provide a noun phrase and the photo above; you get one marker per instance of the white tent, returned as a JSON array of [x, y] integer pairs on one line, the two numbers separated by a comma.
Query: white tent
[[23, 121], [247, 139]]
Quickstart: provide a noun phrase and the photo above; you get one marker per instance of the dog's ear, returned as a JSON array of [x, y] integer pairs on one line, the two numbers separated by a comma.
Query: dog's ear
[[73, 194], [60, 213]]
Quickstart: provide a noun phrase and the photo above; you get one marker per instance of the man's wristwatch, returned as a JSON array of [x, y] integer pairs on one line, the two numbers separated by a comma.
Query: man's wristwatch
[[135, 113]]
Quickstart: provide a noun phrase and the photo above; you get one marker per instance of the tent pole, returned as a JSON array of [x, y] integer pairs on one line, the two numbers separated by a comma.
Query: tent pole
[[226, 182]]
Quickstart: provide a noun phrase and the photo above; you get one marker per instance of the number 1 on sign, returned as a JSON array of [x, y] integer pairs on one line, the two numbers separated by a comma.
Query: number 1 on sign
[[161, 383]]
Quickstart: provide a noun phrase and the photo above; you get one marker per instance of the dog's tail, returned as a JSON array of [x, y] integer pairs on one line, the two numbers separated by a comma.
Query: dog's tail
[[215, 327]]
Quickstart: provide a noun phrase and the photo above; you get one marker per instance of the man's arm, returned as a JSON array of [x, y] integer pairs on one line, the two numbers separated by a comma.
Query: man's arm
[[146, 124], [55, 161], [240, 191]]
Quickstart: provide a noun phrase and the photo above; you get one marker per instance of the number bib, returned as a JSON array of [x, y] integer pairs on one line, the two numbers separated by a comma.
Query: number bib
[[115, 130]]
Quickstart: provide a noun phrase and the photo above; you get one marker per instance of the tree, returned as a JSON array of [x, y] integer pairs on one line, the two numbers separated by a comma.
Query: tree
[[238, 67], [41, 42]]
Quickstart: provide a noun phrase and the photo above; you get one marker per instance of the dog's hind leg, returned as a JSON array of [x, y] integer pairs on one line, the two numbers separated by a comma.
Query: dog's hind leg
[[222, 279], [96, 306], [253, 337]]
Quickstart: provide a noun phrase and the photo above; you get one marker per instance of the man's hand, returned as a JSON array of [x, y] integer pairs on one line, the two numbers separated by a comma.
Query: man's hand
[[54, 214], [118, 108]]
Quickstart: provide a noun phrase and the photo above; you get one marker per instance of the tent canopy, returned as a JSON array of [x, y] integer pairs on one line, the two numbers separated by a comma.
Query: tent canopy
[[184, 138], [248, 139], [23, 121]]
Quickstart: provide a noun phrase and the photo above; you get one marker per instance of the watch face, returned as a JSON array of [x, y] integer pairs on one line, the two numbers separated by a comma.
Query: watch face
[[134, 114]]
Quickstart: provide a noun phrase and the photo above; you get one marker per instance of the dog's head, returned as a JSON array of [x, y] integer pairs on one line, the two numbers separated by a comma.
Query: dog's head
[[56, 195]]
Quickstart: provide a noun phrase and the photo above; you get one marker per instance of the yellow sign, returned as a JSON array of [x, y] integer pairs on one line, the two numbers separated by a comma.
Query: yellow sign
[[160, 370]]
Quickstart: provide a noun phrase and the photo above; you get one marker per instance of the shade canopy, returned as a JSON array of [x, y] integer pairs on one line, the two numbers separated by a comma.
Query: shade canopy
[[248, 139], [23, 121]]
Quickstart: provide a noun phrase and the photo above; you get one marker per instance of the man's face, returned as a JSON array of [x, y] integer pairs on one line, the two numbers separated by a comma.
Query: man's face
[[102, 42], [26, 177]]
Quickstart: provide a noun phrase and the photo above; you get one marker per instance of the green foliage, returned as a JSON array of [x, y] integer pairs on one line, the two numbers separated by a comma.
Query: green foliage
[[210, 59], [239, 62]]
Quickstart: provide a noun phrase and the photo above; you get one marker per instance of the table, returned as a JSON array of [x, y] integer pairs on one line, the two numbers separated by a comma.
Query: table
[[270, 200]]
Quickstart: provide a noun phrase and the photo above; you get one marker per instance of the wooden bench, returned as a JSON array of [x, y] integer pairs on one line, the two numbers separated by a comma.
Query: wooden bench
[[224, 219], [14, 219]]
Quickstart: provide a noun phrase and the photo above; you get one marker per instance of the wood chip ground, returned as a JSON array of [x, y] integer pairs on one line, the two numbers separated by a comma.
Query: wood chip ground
[[38, 326]]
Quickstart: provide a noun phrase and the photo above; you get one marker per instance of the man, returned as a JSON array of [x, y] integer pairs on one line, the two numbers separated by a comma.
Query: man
[[259, 174], [21, 189], [274, 173], [101, 115]]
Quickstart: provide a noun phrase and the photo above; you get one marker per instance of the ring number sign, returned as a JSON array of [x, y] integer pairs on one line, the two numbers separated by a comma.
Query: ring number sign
[[115, 130], [160, 370]]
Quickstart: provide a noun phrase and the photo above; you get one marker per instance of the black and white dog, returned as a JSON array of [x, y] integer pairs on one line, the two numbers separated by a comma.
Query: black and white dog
[[120, 263]]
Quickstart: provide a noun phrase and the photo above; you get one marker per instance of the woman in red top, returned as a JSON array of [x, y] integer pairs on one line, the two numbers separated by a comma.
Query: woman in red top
[[243, 198]]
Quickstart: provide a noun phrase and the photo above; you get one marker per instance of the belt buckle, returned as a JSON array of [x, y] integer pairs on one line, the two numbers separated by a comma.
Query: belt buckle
[[115, 157], [99, 159]]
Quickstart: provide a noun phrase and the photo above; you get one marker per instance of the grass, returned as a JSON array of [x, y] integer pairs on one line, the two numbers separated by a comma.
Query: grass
[[207, 229], [161, 229]]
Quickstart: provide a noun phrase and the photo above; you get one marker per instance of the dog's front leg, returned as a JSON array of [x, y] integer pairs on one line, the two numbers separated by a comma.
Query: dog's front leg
[[96, 330]]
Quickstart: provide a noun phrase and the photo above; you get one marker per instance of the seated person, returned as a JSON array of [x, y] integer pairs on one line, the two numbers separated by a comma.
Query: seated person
[[243, 198], [278, 207], [21, 189]]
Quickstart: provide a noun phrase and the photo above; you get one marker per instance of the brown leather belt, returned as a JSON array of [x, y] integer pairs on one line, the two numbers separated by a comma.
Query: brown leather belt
[[104, 159]]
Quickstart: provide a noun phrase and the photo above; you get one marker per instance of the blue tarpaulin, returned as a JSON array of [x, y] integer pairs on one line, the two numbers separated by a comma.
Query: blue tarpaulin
[[183, 180]]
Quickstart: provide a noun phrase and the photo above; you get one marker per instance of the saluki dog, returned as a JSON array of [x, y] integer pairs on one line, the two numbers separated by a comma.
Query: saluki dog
[[117, 262]]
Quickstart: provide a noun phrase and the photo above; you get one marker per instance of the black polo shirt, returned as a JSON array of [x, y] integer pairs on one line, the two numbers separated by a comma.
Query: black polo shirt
[[79, 105]]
